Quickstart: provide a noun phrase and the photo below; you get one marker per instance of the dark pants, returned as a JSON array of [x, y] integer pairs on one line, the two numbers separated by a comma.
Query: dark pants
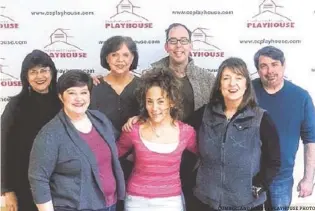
[[111, 208], [188, 179], [120, 205]]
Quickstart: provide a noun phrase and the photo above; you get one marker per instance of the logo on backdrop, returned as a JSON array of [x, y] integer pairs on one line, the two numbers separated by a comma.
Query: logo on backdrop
[[269, 16], [126, 16], [6, 78], [202, 44], [61, 46], [6, 21]]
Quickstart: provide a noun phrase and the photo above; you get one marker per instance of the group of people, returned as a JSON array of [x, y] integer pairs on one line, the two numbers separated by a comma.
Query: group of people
[[177, 138]]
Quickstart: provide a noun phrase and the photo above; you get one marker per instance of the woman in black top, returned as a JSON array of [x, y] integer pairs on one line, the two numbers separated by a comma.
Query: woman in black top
[[115, 95], [23, 117]]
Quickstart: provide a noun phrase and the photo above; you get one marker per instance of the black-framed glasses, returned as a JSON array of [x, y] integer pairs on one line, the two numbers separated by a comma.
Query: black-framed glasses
[[174, 41]]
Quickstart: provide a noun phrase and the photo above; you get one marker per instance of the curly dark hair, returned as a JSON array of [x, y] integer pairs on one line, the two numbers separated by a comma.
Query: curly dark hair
[[167, 81]]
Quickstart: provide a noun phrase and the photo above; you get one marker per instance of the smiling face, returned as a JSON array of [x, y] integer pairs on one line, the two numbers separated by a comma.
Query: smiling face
[[158, 104], [178, 45], [39, 78], [76, 100], [271, 72], [233, 86], [120, 61]]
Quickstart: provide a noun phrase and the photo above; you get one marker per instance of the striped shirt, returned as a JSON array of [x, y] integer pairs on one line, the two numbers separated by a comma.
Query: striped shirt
[[156, 174]]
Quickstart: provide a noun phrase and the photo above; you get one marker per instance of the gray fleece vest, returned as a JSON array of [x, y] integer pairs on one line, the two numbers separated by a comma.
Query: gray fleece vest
[[230, 158]]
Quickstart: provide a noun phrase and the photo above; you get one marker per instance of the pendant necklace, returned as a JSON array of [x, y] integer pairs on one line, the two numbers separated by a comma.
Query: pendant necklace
[[157, 134]]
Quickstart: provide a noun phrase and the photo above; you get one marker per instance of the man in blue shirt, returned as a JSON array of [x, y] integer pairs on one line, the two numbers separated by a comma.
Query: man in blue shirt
[[293, 112]]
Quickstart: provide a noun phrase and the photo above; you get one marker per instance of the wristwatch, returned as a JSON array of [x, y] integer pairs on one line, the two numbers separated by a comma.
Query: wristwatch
[[257, 191]]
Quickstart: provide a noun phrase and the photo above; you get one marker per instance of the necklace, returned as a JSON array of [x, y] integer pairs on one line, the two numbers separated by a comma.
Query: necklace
[[156, 133]]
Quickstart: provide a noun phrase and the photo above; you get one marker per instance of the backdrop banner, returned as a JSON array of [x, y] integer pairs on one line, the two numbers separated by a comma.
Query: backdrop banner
[[72, 33]]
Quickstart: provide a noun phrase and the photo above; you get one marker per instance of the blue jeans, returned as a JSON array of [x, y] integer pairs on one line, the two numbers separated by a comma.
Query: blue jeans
[[280, 194], [111, 208]]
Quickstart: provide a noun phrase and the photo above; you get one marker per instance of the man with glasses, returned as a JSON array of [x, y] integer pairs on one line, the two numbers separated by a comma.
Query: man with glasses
[[197, 83]]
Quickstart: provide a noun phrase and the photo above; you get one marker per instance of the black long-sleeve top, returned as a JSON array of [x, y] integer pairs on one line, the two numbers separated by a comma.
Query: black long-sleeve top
[[21, 120], [117, 107]]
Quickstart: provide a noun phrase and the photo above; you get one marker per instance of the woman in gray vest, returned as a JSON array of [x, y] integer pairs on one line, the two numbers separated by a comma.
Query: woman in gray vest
[[238, 144]]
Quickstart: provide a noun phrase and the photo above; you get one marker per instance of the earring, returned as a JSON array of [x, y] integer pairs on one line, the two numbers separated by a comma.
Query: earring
[[29, 89]]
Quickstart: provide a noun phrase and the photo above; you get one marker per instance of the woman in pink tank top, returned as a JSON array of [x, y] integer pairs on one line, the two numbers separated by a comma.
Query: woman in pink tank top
[[157, 142]]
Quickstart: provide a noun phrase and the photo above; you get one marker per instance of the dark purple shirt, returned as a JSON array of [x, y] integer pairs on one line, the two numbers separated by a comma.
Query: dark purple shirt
[[103, 157]]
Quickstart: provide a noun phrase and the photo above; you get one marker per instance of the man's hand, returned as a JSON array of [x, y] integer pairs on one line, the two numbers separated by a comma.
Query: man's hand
[[129, 124], [96, 79], [10, 201], [305, 188]]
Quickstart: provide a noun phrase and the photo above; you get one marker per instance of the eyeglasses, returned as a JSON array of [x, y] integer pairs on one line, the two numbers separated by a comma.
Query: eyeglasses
[[42, 71], [174, 41]]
